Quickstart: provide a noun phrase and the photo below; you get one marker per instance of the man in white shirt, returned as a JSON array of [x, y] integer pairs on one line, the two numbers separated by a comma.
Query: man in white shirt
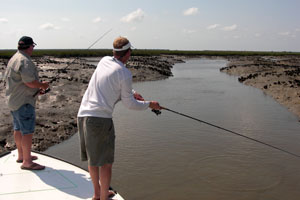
[[110, 83]]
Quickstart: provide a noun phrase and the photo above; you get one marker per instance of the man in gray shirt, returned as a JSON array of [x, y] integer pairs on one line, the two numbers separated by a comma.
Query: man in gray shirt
[[22, 82]]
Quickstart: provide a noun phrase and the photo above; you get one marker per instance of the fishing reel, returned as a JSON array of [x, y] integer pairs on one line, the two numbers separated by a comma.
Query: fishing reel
[[157, 112], [43, 91], [47, 90]]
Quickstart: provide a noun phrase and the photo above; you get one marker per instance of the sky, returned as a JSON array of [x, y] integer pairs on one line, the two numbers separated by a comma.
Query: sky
[[246, 25]]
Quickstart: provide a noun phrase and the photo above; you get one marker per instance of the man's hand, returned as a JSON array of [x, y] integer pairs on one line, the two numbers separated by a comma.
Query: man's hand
[[41, 91], [154, 105], [44, 88], [44, 85]]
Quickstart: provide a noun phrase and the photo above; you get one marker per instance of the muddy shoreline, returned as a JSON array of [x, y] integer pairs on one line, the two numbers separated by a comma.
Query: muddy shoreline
[[56, 111], [278, 77]]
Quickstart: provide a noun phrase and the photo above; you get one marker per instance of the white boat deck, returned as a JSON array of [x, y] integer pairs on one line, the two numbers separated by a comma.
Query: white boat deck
[[60, 180]]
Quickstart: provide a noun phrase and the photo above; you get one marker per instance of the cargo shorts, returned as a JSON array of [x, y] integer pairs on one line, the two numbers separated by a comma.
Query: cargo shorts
[[97, 140]]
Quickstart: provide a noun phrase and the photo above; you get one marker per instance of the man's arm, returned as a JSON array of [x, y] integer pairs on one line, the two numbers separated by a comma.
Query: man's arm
[[37, 84]]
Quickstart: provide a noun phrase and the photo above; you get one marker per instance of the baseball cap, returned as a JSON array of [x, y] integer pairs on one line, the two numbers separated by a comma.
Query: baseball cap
[[26, 41]]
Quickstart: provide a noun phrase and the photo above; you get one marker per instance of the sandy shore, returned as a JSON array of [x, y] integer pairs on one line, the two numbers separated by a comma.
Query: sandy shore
[[56, 111]]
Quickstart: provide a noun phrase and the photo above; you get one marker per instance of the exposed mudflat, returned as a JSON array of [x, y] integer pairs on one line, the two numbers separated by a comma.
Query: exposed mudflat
[[278, 77], [57, 110]]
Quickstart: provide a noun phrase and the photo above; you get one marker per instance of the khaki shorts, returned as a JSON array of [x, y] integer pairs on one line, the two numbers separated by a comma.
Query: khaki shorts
[[97, 140]]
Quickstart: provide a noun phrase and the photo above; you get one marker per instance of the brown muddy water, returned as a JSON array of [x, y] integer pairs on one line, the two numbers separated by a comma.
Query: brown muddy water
[[173, 157]]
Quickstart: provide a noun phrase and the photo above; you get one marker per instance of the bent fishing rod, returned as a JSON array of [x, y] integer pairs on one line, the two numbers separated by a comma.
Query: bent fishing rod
[[70, 63], [158, 112]]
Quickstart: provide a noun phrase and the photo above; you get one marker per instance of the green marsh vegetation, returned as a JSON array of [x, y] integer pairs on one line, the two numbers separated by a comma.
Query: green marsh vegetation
[[65, 53]]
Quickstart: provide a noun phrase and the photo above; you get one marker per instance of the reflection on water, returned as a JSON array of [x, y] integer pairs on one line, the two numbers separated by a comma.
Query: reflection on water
[[172, 157]]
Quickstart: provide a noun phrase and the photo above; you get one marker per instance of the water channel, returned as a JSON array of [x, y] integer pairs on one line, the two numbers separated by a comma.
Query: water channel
[[173, 157]]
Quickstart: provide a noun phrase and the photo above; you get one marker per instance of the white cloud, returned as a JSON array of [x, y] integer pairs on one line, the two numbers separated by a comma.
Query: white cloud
[[135, 16], [133, 28], [188, 31], [230, 28], [65, 19], [190, 11], [96, 20], [257, 35], [213, 26], [3, 20], [287, 33], [49, 26]]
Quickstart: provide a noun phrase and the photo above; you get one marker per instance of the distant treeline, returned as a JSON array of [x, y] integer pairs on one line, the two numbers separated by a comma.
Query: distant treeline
[[63, 53]]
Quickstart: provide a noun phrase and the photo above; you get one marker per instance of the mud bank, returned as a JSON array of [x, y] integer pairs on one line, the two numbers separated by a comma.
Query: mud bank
[[57, 110], [278, 77]]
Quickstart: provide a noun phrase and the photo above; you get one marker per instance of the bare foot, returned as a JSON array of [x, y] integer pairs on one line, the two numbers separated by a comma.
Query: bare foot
[[33, 166], [111, 194]]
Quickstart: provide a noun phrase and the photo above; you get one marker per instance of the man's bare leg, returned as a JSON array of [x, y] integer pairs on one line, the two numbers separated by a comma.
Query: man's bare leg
[[95, 175], [105, 178], [26, 148], [18, 141], [27, 159]]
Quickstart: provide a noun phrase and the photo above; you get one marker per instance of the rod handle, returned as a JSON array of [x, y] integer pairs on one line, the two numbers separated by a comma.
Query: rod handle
[[45, 91]]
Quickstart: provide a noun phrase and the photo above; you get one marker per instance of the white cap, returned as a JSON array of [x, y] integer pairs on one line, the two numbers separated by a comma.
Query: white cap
[[125, 47]]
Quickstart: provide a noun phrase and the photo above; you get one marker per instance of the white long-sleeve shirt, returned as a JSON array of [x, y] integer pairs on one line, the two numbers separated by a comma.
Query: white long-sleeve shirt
[[110, 83]]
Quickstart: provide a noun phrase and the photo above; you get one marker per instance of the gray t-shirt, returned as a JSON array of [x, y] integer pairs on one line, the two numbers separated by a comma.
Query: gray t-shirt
[[20, 70]]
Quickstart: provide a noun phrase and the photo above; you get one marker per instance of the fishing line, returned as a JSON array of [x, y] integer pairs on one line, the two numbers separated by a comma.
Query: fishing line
[[54, 78], [157, 112]]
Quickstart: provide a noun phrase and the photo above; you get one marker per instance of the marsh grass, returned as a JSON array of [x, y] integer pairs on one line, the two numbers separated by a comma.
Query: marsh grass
[[65, 53]]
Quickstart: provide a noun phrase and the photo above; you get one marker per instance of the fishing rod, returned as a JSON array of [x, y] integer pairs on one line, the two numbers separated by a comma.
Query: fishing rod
[[158, 112], [54, 78]]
